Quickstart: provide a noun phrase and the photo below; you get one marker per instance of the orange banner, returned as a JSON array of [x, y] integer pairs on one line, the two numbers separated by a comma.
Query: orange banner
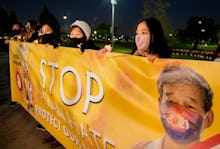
[[91, 100]]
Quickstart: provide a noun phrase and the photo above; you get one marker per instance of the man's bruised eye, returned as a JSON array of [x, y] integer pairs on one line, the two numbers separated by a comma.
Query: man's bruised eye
[[190, 107], [170, 101]]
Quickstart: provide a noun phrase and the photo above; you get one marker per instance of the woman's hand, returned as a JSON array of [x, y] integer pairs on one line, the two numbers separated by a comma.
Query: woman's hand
[[107, 48], [151, 57]]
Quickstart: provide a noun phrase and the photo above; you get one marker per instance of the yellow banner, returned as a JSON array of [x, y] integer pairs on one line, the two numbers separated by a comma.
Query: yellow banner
[[91, 100]]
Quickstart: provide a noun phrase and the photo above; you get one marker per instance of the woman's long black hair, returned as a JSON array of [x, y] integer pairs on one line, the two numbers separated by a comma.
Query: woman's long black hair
[[158, 44]]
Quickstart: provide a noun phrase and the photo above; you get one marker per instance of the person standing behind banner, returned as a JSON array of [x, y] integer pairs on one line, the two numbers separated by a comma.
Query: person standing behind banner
[[150, 41], [185, 104], [49, 34], [216, 56], [80, 33], [31, 28], [17, 33]]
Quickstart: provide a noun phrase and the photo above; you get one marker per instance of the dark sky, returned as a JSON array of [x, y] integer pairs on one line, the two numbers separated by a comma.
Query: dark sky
[[127, 12]]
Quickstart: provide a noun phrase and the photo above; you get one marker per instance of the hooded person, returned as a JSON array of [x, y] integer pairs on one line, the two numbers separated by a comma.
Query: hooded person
[[80, 33]]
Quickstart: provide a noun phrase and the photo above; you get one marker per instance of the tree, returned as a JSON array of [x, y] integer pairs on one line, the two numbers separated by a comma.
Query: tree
[[12, 18], [102, 30], [201, 30], [6, 21], [3, 20], [47, 17], [157, 9]]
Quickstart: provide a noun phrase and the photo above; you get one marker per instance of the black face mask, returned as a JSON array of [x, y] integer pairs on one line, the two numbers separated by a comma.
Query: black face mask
[[15, 32], [47, 39], [76, 41]]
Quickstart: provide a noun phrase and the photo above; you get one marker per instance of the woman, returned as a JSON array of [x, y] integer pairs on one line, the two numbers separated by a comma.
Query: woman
[[150, 41], [80, 33], [49, 34], [31, 31]]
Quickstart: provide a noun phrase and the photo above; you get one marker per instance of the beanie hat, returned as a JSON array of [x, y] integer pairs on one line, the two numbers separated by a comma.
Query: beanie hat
[[84, 26]]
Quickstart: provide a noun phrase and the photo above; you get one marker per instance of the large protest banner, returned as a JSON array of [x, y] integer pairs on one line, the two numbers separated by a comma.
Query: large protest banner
[[92, 100]]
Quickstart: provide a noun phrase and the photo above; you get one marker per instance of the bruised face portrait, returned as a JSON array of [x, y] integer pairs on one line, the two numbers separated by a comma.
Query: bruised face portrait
[[185, 104]]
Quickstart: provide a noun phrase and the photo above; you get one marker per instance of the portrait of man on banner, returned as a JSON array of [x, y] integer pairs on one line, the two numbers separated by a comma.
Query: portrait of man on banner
[[185, 106]]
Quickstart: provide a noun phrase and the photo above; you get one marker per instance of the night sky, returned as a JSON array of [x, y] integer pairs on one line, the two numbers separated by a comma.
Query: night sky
[[127, 12]]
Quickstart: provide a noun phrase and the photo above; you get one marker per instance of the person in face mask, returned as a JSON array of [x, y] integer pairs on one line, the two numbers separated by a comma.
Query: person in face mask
[[185, 104], [16, 30], [16, 33], [150, 41], [49, 34], [80, 32]]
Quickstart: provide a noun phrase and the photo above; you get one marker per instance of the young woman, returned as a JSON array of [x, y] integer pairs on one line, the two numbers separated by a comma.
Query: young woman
[[49, 34], [150, 41]]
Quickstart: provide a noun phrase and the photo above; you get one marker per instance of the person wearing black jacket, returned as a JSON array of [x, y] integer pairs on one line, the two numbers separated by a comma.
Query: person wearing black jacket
[[80, 32]]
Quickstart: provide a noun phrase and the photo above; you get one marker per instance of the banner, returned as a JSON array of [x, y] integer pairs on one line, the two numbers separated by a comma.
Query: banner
[[96, 100]]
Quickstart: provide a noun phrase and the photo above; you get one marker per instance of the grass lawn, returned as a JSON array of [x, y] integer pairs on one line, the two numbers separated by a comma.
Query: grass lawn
[[189, 46], [118, 47], [3, 53], [127, 49]]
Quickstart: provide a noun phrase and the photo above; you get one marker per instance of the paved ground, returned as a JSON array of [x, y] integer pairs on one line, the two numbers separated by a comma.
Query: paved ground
[[17, 130], [17, 127]]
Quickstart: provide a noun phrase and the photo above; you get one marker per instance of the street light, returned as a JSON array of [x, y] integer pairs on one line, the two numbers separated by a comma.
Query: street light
[[113, 2], [203, 30], [64, 17], [65, 23]]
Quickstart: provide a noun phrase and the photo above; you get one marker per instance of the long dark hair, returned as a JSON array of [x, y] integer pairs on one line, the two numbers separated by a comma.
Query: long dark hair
[[52, 38], [158, 44]]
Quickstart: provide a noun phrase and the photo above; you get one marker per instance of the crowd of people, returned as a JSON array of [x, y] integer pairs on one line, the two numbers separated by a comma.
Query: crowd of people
[[48, 33], [149, 41], [149, 37]]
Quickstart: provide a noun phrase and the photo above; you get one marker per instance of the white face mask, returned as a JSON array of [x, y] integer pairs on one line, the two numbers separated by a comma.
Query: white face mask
[[142, 42]]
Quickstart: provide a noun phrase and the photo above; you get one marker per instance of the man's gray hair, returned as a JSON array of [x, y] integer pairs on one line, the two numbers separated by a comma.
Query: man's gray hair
[[181, 74]]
